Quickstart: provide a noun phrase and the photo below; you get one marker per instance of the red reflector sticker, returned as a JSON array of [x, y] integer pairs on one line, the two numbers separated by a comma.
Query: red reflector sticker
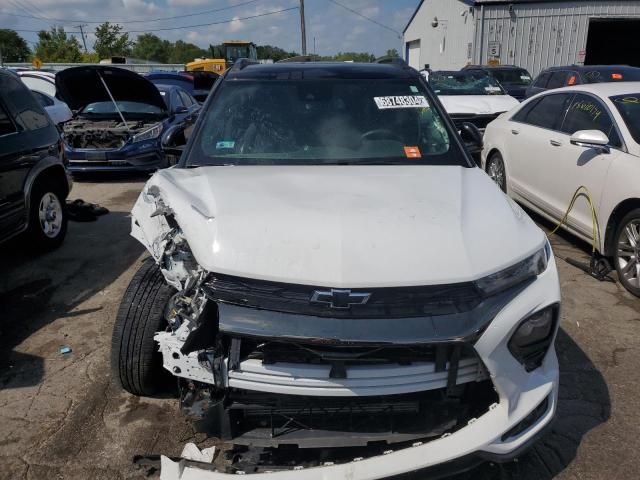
[[616, 76], [412, 152], [572, 80]]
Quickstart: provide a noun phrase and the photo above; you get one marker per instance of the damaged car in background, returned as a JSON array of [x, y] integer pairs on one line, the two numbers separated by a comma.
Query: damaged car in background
[[119, 119], [326, 288]]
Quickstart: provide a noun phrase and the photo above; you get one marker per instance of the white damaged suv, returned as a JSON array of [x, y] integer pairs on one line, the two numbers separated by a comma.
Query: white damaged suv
[[326, 275]]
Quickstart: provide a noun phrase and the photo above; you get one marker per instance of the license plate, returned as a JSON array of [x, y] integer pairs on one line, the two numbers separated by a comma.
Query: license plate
[[96, 156]]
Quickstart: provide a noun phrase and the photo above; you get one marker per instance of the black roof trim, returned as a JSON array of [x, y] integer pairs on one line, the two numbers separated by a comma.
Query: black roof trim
[[321, 70]]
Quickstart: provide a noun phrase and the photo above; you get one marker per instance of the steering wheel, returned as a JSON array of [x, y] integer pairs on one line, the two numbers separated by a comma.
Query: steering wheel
[[382, 133]]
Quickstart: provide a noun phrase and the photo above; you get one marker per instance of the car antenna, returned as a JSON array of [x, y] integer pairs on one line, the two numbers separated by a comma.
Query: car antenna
[[113, 100]]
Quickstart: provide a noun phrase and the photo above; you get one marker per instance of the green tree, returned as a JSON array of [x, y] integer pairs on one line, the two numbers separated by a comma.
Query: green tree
[[13, 48], [354, 57], [89, 57], [184, 52], [392, 53], [266, 52], [56, 46], [110, 42], [151, 47]]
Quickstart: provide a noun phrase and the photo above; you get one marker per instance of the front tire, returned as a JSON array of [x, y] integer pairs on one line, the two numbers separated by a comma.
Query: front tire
[[136, 362], [496, 171], [47, 217], [627, 251]]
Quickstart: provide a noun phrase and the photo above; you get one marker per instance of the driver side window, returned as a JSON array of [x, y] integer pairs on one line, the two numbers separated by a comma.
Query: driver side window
[[588, 113]]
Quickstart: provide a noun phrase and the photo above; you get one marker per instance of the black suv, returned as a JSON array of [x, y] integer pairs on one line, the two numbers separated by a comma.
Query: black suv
[[33, 177], [515, 80], [557, 77]]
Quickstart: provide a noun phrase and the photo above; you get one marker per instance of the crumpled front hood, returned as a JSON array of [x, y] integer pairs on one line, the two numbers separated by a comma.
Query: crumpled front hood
[[80, 86], [478, 104], [344, 226]]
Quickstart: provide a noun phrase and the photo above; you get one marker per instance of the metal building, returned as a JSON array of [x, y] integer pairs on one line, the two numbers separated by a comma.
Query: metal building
[[535, 34]]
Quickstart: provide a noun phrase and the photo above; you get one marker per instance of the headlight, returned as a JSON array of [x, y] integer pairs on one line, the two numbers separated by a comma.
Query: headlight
[[520, 272], [531, 340], [153, 132]]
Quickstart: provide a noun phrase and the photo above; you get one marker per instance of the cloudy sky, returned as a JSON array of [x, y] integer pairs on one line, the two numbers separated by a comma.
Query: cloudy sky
[[333, 27]]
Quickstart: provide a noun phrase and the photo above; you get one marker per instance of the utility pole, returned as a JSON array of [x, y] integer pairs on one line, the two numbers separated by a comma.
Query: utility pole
[[84, 42], [303, 29]]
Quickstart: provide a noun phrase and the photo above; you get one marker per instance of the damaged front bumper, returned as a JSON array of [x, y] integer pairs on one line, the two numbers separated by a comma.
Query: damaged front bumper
[[313, 380]]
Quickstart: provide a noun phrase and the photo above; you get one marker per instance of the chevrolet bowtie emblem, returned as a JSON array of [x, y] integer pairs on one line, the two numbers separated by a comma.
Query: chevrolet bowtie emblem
[[337, 298]]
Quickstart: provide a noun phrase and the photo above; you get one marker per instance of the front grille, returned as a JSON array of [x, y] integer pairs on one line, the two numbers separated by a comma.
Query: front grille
[[271, 420], [480, 121], [310, 354], [395, 302]]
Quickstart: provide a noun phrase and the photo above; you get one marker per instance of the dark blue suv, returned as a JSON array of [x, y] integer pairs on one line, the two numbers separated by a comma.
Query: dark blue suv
[[119, 118]]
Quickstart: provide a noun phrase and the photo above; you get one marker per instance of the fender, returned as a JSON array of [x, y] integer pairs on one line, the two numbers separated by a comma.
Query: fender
[[34, 173]]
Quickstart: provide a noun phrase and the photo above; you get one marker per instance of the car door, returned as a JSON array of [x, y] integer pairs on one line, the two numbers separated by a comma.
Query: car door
[[531, 154], [576, 166], [11, 198]]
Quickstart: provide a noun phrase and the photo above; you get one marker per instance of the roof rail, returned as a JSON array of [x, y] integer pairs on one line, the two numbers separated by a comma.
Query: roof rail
[[397, 61], [300, 58], [242, 63]]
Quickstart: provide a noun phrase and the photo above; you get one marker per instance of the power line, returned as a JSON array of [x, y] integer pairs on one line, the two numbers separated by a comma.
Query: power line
[[18, 6], [123, 22], [185, 26], [214, 23], [367, 18]]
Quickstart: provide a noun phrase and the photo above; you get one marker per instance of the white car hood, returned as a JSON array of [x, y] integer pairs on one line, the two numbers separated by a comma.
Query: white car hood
[[478, 104], [342, 226]]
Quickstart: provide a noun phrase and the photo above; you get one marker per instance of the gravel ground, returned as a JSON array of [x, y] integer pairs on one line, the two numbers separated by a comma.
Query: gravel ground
[[61, 416]]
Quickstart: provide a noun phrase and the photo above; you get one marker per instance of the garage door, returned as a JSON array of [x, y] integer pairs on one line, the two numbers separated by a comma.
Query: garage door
[[413, 54]]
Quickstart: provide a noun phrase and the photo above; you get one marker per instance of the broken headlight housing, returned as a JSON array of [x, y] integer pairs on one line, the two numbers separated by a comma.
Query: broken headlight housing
[[151, 133], [528, 268], [530, 342]]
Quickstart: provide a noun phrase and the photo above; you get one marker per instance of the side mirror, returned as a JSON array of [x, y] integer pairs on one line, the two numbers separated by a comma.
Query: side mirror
[[471, 135], [173, 140], [591, 139]]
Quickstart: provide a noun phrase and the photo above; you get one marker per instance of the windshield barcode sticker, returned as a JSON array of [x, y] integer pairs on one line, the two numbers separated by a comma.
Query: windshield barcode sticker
[[402, 101]]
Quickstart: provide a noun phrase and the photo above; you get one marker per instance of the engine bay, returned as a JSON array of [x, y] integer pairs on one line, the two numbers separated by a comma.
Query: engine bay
[[103, 134]]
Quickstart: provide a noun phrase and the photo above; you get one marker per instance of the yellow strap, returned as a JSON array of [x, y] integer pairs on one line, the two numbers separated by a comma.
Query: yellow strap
[[595, 238]]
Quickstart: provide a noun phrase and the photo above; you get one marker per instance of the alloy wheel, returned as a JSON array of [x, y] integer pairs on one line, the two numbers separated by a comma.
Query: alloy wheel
[[50, 215], [629, 253], [496, 172]]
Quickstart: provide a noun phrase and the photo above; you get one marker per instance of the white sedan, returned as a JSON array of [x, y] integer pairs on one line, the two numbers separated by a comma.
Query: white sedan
[[541, 152]]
